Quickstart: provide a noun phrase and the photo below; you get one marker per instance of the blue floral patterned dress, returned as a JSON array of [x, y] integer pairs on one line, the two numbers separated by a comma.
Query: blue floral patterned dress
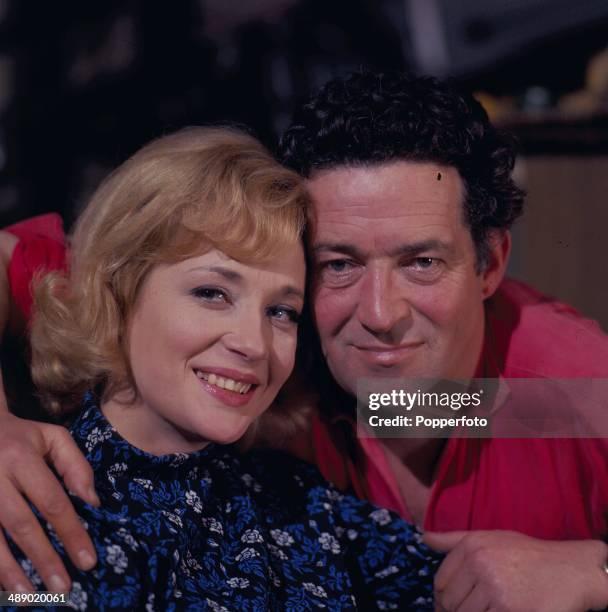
[[222, 531]]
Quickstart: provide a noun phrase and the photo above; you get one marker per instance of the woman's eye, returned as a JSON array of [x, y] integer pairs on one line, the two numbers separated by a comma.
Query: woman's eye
[[284, 314], [210, 294]]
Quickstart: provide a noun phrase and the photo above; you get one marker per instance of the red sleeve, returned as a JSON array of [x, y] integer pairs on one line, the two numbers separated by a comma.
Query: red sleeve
[[41, 248]]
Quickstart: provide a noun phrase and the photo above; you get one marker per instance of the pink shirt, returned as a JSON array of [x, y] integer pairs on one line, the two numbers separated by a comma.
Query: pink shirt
[[41, 248]]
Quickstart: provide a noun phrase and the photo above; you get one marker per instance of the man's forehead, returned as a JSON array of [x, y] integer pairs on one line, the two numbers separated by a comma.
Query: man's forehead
[[396, 188], [402, 200]]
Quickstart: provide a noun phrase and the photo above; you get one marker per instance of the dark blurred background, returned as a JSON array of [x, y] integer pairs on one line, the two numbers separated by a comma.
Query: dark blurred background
[[84, 84]]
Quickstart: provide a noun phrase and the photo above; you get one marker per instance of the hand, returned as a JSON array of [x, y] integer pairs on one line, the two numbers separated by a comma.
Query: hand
[[24, 474], [508, 571]]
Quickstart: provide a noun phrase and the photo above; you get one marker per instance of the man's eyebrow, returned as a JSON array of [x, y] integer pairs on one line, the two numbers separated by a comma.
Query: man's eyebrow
[[337, 247], [408, 250], [227, 273]]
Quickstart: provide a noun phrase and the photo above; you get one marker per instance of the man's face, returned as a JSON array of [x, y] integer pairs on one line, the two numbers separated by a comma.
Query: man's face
[[395, 287]]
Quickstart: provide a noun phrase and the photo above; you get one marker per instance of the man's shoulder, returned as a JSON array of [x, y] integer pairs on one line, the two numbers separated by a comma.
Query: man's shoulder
[[533, 335]]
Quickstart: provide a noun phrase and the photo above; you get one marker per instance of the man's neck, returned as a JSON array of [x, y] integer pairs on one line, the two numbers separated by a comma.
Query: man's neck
[[414, 464], [420, 456]]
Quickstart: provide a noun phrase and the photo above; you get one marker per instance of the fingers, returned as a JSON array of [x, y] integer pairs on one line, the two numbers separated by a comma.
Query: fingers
[[12, 577], [449, 568], [24, 528], [476, 601], [456, 592], [70, 463], [46, 494], [444, 541], [455, 588], [25, 474]]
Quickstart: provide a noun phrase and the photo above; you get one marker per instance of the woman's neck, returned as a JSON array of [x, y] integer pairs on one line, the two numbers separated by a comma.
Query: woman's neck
[[143, 428]]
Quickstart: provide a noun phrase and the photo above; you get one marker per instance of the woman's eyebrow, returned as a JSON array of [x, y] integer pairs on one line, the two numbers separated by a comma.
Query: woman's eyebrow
[[290, 290], [232, 275], [227, 273]]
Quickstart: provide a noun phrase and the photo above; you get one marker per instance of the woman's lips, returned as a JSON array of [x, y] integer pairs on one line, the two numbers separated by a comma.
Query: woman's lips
[[244, 377], [229, 397]]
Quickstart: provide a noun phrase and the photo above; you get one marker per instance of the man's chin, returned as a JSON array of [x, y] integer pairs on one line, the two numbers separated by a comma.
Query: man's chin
[[350, 377], [391, 371]]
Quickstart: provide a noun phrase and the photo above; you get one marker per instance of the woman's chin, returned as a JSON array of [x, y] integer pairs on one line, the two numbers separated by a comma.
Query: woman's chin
[[228, 435]]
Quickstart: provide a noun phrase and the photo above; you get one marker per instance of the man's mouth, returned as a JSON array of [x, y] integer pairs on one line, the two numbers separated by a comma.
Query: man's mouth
[[387, 355], [223, 382], [380, 348]]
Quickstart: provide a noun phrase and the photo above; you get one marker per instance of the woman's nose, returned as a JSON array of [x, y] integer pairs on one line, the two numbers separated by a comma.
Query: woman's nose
[[249, 338]]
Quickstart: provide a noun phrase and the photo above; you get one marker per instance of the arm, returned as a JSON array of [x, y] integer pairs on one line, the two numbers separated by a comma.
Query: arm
[[7, 246], [390, 568], [504, 570], [24, 446]]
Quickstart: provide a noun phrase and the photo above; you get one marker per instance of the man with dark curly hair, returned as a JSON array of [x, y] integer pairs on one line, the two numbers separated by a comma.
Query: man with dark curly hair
[[408, 240], [408, 243]]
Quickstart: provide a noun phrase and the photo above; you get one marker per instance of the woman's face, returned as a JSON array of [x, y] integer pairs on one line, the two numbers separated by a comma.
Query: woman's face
[[210, 343]]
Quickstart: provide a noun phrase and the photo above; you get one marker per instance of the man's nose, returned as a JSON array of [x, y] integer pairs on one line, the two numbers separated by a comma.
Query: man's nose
[[249, 338], [383, 306]]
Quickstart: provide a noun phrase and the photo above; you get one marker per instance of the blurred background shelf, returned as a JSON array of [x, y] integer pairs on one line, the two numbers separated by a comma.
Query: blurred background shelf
[[561, 243], [552, 133]]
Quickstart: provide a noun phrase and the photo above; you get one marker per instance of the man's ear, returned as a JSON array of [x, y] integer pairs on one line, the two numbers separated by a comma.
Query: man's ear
[[499, 248]]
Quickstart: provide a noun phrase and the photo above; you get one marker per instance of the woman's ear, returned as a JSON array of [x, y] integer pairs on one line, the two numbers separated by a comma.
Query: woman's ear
[[499, 248]]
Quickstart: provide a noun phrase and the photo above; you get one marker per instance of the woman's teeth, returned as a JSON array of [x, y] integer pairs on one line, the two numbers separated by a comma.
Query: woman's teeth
[[224, 383]]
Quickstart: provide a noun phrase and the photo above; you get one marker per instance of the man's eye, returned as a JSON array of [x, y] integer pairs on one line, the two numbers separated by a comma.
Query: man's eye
[[337, 266], [284, 314], [425, 263], [210, 294], [424, 268]]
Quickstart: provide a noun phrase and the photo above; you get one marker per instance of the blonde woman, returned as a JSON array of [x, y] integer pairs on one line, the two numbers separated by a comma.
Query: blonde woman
[[169, 340]]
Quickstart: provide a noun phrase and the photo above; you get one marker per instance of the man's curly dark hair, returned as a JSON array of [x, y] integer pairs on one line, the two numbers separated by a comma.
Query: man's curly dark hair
[[373, 118]]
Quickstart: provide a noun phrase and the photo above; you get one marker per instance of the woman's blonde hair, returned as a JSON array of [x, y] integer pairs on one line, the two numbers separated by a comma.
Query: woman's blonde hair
[[177, 197]]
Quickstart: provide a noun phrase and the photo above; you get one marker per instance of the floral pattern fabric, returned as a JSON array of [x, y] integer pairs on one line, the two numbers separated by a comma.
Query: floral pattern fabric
[[222, 531]]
